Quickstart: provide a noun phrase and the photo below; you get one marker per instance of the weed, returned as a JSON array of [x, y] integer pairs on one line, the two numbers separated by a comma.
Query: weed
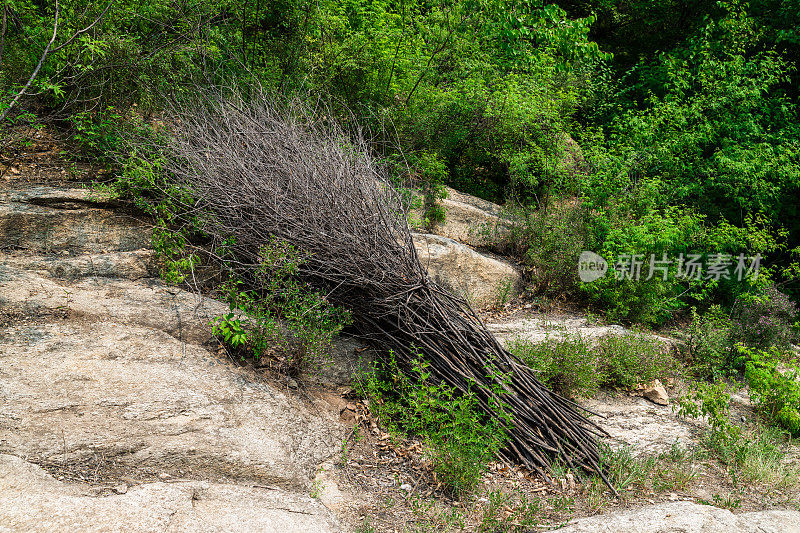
[[549, 240], [230, 329], [725, 502], [504, 289], [506, 513], [365, 527], [572, 365], [317, 488], [676, 469], [708, 344], [460, 440], [625, 470], [565, 363]]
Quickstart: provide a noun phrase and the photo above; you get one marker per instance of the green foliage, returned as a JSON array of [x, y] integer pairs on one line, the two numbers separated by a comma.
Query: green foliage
[[283, 318], [549, 240], [573, 365], [431, 172], [230, 329], [460, 438], [775, 390], [712, 402], [708, 344], [567, 364]]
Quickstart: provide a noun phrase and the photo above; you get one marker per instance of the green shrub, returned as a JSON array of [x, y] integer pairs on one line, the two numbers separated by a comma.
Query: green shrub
[[460, 439], [549, 240], [774, 390], [708, 344], [765, 320], [712, 402], [571, 364], [633, 358], [567, 364]]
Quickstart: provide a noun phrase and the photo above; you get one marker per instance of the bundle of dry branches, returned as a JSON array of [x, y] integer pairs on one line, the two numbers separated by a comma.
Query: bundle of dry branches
[[261, 170]]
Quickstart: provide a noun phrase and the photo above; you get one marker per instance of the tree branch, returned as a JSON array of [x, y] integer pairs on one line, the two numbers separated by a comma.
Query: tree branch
[[36, 70]]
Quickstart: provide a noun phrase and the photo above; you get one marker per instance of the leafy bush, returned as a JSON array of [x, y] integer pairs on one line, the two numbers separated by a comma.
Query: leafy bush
[[765, 320], [631, 359], [566, 364], [712, 402], [574, 365], [461, 441], [775, 391], [549, 240], [709, 344]]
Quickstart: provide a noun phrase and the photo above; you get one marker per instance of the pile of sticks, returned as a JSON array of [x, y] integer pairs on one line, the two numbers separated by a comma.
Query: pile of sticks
[[260, 170]]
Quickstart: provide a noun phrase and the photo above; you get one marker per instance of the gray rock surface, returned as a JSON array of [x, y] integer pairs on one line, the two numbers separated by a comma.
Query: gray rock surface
[[104, 369], [686, 517], [482, 279], [147, 302], [469, 220], [142, 399], [538, 329], [50, 220], [32, 500]]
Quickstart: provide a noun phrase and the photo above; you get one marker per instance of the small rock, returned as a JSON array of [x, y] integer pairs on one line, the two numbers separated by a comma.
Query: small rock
[[656, 393], [292, 383], [122, 488], [406, 487], [163, 475]]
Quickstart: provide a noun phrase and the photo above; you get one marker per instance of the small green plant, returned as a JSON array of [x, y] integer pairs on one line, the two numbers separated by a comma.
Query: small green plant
[[627, 471], [775, 391], [712, 402], [549, 240], [365, 527], [504, 290], [317, 487], [729, 501], [676, 469], [506, 513], [566, 363], [461, 441], [230, 329], [97, 132]]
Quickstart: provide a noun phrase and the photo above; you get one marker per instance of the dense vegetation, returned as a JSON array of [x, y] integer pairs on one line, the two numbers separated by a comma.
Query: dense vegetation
[[631, 128], [644, 128]]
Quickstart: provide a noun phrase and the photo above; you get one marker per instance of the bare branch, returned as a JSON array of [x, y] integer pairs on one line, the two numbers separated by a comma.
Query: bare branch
[[259, 171], [84, 30], [36, 70]]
